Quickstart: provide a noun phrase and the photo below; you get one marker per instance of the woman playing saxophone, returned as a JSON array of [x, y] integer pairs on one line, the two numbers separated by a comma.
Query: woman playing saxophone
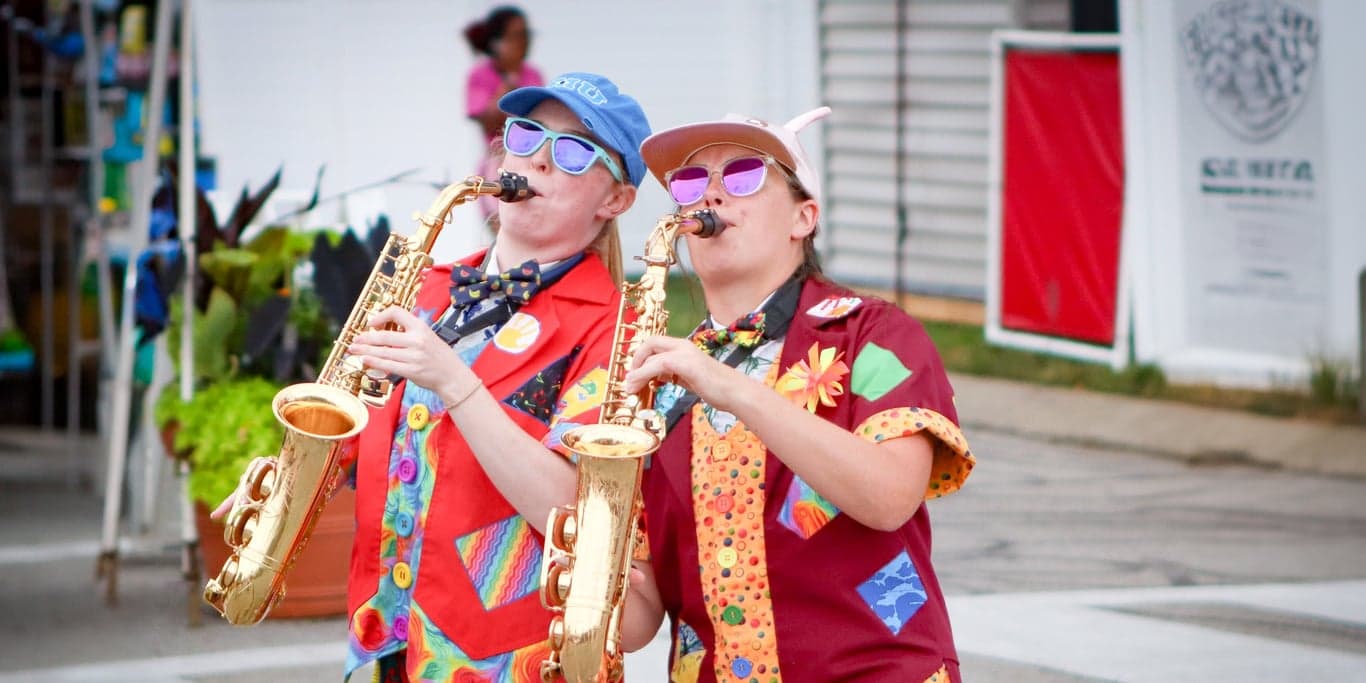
[[504, 351], [785, 509]]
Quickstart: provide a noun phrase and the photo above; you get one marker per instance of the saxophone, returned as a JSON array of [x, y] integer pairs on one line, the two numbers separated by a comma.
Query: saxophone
[[588, 547], [281, 497]]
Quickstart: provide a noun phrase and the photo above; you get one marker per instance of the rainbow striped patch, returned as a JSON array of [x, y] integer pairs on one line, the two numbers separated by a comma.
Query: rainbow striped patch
[[503, 561]]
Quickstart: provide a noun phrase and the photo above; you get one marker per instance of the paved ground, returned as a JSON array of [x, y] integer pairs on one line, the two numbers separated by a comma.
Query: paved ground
[[1192, 434], [1063, 562], [1092, 564]]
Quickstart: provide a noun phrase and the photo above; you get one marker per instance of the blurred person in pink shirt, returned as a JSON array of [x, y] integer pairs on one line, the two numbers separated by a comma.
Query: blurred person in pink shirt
[[502, 39]]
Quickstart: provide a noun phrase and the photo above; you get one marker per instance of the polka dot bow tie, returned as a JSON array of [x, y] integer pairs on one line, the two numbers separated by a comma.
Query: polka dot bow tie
[[745, 332], [469, 284]]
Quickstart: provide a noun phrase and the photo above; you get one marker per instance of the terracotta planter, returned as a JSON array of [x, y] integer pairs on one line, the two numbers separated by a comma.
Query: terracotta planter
[[168, 432], [316, 586]]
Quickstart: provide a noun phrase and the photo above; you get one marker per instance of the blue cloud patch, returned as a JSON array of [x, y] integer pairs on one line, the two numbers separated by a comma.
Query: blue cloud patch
[[895, 592]]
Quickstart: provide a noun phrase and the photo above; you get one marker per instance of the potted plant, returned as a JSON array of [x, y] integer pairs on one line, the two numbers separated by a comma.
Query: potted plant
[[258, 325]]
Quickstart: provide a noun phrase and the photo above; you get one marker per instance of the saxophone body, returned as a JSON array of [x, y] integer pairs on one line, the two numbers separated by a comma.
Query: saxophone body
[[588, 548], [282, 496]]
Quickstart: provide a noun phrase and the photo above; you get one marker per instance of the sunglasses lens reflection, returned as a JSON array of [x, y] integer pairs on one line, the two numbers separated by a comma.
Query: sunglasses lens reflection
[[523, 137], [743, 177], [688, 184], [572, 154]]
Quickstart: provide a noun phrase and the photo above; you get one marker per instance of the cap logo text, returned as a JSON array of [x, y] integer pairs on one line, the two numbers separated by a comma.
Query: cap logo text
[[585, 89]]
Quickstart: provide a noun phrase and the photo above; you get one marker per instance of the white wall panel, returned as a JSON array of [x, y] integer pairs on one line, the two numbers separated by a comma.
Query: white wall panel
[[947, 70], [371, 87]]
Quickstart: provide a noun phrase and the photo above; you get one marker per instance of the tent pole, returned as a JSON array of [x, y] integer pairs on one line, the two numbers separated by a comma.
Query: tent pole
[[189, 536], [143, 188]]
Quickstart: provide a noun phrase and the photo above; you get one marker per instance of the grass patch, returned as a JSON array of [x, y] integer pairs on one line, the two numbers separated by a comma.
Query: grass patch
[[1331, 393]]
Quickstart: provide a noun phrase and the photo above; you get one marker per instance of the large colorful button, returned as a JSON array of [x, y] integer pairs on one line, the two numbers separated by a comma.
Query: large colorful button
[[727, 557], [401, 627], [418, 416], [407, 470], [403, 575], [403, 524], [724, 503], [733, 615], [721, 451], [740, 667]]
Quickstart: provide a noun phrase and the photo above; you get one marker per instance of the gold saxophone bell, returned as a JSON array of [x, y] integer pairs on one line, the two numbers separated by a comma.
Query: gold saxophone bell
[[588, 548], [283, 495], [279, 506]]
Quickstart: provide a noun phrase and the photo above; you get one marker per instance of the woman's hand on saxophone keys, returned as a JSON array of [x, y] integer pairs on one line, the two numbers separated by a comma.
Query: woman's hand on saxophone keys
[[668, 359], [413, 351]]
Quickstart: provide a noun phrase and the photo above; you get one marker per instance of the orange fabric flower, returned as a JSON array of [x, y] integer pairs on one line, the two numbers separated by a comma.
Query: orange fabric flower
[[815, 380]]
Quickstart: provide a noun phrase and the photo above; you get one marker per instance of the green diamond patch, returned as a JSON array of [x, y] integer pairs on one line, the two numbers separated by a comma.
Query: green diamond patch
[[876, 371]]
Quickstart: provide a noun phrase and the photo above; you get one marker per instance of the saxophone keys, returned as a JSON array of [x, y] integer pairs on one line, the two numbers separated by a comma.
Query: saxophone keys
[[557, 636], [557, 582], [559, 542], [375, 387], [228, 575], [550, 669], [214, 593], [216, 590], [260, 478], [241, 524], [565, 529]]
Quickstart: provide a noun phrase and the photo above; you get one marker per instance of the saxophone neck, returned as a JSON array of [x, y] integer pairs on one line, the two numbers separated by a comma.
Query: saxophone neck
[[661, 246], [508, 187]]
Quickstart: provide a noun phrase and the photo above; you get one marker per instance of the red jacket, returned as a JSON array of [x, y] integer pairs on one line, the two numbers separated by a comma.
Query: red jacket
[[566, 328]]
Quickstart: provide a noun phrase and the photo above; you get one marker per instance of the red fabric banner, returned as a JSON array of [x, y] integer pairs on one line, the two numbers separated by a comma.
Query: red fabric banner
[[1063, 194]]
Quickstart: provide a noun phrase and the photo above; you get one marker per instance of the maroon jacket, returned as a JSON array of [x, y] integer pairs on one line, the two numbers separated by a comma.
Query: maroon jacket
[[846, 603]]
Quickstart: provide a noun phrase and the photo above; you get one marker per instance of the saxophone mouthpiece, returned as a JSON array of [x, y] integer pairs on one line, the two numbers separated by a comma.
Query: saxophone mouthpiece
[[708, 223], [514, 188]]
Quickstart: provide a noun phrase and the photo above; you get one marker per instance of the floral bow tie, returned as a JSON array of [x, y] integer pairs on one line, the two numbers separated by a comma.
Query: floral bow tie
[[745, 332], [469, 284]]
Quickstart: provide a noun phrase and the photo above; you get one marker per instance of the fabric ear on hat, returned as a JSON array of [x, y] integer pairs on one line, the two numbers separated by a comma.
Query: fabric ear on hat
[[801, 121]]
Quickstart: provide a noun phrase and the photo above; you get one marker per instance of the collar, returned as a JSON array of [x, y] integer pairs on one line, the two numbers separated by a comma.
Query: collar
[[711, 322], [587, 281]]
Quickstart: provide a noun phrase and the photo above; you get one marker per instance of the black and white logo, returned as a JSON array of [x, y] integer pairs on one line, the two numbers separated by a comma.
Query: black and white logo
[[1253, 61]]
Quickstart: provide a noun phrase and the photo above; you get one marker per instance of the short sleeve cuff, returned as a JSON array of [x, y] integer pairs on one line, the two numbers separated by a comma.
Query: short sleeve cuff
[[953, 461]]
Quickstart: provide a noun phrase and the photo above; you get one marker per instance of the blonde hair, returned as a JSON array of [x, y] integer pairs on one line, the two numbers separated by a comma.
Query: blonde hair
[[607, 245]]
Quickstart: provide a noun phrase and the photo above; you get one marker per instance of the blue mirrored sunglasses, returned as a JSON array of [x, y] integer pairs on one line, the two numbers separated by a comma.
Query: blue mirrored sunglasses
[[571, 153]]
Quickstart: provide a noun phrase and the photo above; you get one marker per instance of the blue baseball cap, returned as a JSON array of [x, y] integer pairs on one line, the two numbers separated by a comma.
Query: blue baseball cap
[[613, 117]]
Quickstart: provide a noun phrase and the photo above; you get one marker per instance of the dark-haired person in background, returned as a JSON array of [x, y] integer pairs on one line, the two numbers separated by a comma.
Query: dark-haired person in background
[[502, 40]]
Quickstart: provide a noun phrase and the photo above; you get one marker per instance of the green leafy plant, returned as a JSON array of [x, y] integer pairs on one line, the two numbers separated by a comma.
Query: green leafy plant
[[223, 426], [245, 296], [251, 297]]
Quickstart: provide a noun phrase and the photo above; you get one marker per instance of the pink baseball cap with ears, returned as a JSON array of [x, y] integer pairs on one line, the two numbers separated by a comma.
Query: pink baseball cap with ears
[[669, 149]]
